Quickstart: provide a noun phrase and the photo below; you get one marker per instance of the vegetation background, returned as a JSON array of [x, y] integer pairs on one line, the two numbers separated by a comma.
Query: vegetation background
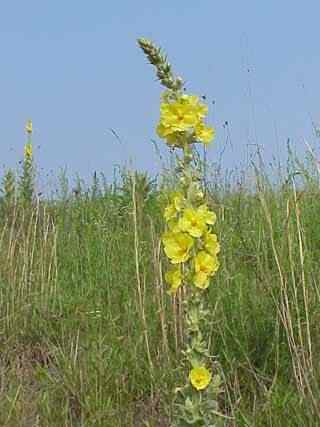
[[89, 337]]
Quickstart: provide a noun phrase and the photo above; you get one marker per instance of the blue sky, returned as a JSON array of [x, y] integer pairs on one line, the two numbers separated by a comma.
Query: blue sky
[[74, 68]]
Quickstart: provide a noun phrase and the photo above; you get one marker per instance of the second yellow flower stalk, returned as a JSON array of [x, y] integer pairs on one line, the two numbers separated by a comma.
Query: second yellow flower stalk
[[26, 182]]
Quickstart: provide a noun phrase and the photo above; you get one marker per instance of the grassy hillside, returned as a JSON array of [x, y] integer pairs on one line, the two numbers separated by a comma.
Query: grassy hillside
[[89, 336]]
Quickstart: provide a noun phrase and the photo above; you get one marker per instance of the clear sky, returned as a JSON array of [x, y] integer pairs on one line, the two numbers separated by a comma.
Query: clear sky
[[75, 69]]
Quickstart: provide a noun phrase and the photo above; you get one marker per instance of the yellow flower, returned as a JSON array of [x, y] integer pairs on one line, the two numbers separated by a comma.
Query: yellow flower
[[205, 265], [211, 243], [193, 221], [201, 110], [179, 116], [28, 151], [177, 246], [174, 279], [28, 127], [208, 216], [204, 133], [201, 280], [174, 207], [200, 377]]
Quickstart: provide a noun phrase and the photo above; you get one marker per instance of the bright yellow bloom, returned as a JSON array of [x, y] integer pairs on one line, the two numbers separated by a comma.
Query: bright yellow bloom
[[28, 151], [177, 246], [204, 133], [184, 114], [200, 377], [174, 279], [201, 280], [211, 243], [205, 265], [177, 117], [201, 110], [208, 216], [28, 127], [174, 207], [193, 221]]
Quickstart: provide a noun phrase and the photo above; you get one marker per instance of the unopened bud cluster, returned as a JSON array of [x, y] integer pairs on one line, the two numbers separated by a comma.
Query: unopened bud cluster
[[156, 58]]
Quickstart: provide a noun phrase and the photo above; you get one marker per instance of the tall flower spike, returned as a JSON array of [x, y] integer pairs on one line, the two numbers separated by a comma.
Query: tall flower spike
[[189, 243], [159, 60], [26, 181]]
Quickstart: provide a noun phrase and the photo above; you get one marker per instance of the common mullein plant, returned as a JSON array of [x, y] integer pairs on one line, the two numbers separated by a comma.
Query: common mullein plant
[[26, 184], [189, 243]]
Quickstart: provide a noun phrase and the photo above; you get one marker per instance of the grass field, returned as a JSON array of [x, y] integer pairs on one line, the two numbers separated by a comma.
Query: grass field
[[89, 337]]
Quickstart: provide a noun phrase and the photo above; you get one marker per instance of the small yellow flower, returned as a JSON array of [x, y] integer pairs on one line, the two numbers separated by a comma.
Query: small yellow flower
[[177, 246], [205, 265], [193, 221], [201, 280], [204, 133], [208, 216], [176, 117], [200, 377], [174, 279], [28, 151], [174, 207], [201, 110], [28, 127], [184, 114], [211, 243]]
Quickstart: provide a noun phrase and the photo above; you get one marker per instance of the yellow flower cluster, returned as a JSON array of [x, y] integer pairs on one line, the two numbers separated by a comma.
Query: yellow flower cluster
[[182, 120], [189, 238]]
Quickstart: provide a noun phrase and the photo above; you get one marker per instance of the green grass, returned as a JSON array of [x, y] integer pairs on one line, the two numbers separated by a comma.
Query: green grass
[[89, 337]]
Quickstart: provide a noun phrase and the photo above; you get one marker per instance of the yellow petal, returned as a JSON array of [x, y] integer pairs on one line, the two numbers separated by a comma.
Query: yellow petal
[[174, 279], [201, 280], [200, 377]]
